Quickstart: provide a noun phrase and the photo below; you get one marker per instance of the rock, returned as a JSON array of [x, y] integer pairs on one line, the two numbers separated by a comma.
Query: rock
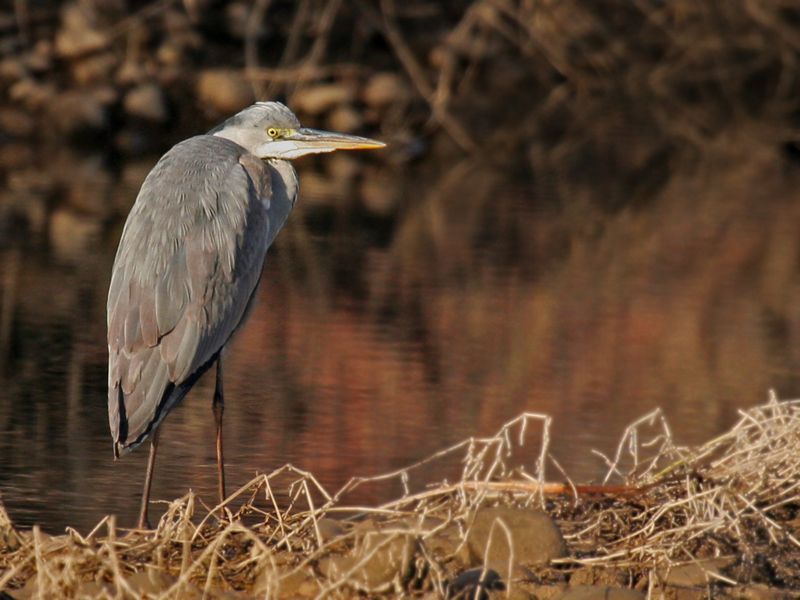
[[169, 54], [390, 558], [447, 543], [475, 584], [600, 592], [95, 68], [30, 178], [78, 34], [318, 99], [17, 156], [535, 538], [105, 94], [16, 123], [298, 584], [547, 592], [146, 102], [78, 112], [151, 582], [344, 119], [237, 17], [12, 69], [757, 591], [31, 93], [598, 576], [41, 57], [130, 72], [224, 90], [330, 529], [384, 89], [694, 574]]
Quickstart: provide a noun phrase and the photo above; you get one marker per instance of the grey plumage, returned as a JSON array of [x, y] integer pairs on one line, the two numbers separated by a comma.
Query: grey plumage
[[190, 259], [184, 274]]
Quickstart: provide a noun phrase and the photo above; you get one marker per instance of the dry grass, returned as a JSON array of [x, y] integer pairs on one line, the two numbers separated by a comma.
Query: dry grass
[[660, 506]]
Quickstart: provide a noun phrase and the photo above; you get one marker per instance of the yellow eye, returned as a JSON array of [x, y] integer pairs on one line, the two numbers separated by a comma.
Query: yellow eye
[[272, 132]]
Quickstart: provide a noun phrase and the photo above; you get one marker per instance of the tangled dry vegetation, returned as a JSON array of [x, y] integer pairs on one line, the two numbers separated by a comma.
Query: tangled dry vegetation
[[720, 520]]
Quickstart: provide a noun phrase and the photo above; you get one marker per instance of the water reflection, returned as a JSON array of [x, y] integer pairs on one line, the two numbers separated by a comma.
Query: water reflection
[[387, 330]]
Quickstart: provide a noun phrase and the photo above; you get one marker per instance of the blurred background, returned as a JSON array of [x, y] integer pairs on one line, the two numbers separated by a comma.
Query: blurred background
[[587, 209]]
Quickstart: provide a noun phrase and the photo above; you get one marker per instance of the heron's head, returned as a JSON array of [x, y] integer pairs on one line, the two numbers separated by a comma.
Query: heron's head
[[270, 130]]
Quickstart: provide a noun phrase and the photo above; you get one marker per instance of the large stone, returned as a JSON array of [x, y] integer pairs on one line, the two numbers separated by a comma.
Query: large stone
[[535, 538], [376, 561], [224, 90], [696, 574], [330, 529]]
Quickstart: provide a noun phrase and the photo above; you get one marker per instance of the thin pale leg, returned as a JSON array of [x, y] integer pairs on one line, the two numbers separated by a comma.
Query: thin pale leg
[[218, 408], [148, 480]]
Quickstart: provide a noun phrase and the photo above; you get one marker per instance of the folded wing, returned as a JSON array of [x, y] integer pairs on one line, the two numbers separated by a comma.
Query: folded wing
[[187, 266]]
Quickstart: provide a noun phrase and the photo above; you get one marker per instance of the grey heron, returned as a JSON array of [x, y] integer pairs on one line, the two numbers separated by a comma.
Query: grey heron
[[189, 261]]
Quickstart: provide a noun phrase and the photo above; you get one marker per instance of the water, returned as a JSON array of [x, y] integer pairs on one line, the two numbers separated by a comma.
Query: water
[[399, 313]]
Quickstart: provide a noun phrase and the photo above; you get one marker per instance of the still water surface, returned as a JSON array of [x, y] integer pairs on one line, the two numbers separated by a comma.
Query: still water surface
[[400, 313]]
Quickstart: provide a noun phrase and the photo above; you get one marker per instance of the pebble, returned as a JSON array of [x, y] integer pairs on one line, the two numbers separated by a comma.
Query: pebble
[[535, 538], [224, 91]]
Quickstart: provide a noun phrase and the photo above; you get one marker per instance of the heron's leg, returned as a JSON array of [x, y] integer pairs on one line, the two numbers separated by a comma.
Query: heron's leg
[[219, 408], [148, 480]]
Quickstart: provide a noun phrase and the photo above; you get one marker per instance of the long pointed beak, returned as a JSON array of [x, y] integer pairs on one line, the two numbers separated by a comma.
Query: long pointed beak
[[306, 141], [317, 140]]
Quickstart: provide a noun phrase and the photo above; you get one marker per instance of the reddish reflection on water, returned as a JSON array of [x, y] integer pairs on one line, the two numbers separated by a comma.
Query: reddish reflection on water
[[378, 340]]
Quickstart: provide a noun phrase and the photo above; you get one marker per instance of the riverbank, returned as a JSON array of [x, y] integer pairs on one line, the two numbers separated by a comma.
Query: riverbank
[[718, 520]]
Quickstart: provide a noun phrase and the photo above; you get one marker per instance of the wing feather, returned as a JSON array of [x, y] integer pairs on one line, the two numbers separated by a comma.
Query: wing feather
[[189, 260]]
